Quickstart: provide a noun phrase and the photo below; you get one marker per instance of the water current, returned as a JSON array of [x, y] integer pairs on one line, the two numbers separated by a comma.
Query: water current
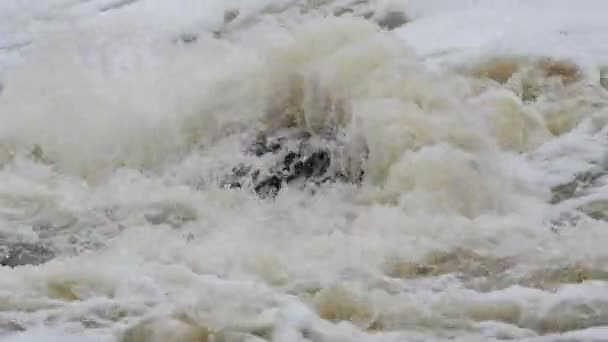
[[478, 129]]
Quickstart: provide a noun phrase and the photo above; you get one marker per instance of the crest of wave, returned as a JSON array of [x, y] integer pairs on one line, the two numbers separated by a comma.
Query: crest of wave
[[428, 138]]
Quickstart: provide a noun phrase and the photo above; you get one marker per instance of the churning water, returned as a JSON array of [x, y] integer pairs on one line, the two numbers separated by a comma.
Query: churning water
[[480, 129]]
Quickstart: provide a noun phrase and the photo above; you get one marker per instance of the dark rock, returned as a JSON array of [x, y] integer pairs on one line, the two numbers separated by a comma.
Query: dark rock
[[296, 156], [265, 143], [313, 166], [232, 185], [269, 187], [290, 158], [258, 147], [241, 170], [23, 253], [317, 164]]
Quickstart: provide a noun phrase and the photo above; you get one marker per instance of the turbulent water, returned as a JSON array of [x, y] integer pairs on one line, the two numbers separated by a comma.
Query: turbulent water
[[480, 128]]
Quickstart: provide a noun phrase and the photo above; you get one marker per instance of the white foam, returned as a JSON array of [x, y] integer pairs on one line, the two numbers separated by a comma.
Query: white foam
[[135, 125]]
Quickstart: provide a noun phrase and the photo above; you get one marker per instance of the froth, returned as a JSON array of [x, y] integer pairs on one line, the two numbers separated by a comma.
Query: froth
[[451, 233]]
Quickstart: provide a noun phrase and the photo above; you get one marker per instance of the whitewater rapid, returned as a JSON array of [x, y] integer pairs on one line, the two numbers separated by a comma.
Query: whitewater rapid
[[481, 128]]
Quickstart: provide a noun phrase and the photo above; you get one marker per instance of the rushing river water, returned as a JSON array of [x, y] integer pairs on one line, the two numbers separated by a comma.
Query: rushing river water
[[478, 129]]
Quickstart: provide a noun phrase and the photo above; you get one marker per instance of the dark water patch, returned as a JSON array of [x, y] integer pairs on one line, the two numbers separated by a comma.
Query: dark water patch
[[186, 38], [116, 5], [14, 46], [392, 20], [22, 253]]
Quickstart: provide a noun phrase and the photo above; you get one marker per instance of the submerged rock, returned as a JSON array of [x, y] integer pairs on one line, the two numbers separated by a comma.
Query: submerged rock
[[116, 5], [269, 187], [23, 253], [568, 274], [186, 38], [604, 77], [170, 329], [182, 328], [597, 210], [230, 15], [341, 304], [572, 316], [392, 20], [8, 326], [575, 187], [468, 264], [173, 214]]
